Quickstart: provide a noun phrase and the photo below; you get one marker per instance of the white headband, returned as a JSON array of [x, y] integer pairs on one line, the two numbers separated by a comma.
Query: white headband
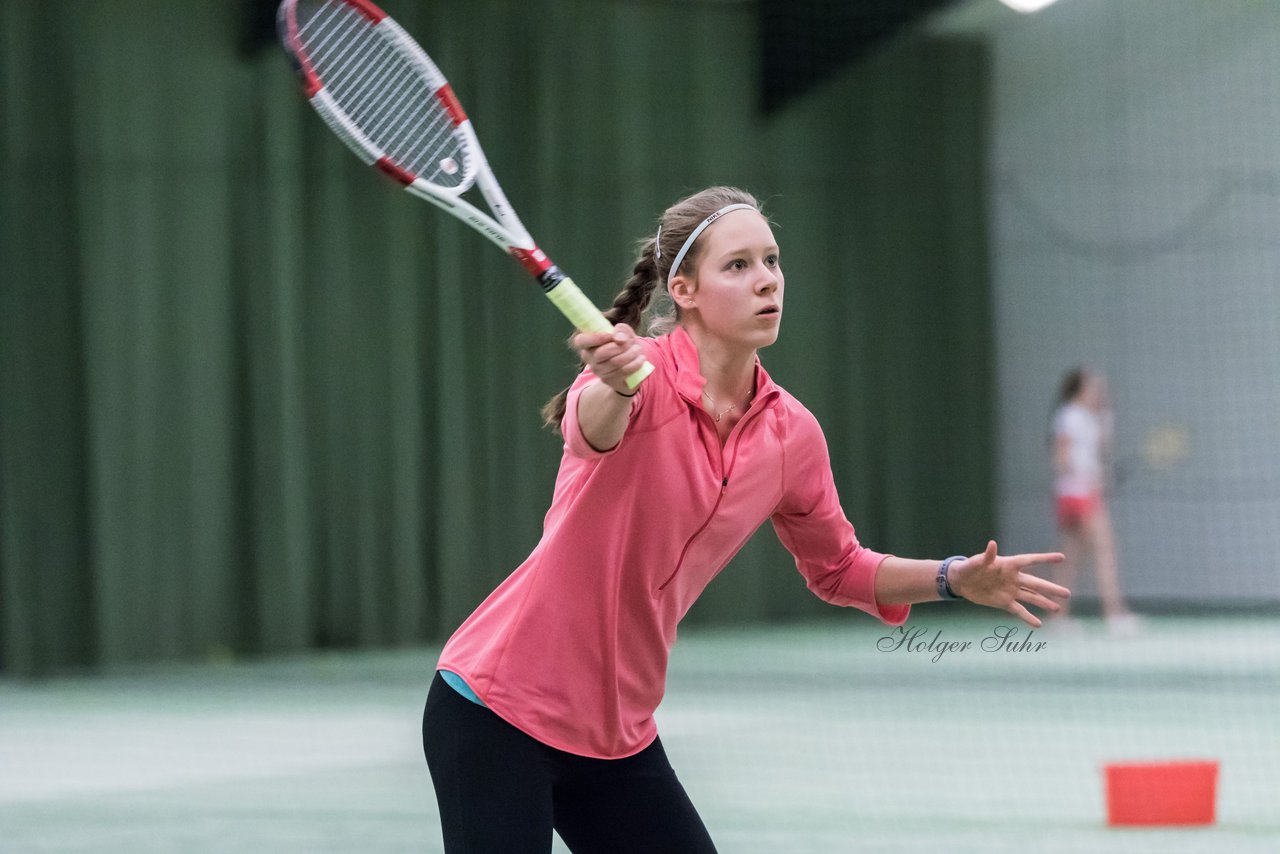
[[693, 235]]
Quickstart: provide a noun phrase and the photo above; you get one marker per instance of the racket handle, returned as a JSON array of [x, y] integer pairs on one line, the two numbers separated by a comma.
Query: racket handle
[[585, 317]]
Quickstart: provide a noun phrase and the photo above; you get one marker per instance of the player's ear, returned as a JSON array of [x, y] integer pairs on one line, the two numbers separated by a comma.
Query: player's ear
[[681, 290]]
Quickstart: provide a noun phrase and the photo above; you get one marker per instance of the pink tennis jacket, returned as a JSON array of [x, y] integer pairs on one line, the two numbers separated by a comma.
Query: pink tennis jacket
[[572, 647]]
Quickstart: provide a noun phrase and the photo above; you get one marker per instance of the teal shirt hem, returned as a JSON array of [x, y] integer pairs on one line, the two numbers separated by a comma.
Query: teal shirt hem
[[460, 685]]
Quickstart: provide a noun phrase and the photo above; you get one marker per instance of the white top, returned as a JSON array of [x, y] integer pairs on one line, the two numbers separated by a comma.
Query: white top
[[1086, 431]]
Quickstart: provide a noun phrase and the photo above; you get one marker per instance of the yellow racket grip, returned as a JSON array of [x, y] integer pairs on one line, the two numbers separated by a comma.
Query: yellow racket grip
[[585, 317]]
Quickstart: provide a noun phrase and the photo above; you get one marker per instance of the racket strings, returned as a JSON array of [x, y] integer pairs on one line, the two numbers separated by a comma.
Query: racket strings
[[342, 60], [383, 92], [378, 97], [358, 67]]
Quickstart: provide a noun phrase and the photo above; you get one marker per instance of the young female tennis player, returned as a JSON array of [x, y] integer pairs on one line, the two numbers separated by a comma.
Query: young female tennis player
[[1082, 437], [541, 714]]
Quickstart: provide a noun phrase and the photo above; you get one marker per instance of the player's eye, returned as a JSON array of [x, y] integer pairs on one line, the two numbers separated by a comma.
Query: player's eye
[[737, 264], [771, 260]]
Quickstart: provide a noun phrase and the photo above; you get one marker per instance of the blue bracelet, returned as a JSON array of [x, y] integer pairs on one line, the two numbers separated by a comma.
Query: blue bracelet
[[944, 585]]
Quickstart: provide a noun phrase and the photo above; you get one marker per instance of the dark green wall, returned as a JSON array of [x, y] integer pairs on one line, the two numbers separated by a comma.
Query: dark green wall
[[256, 399]]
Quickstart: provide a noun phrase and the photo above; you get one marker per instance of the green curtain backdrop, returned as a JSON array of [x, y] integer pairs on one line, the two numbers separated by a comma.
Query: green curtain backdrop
[[256, 399]]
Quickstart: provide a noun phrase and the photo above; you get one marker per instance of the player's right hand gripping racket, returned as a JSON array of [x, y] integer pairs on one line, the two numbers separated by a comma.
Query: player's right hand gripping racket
[[380, 92]]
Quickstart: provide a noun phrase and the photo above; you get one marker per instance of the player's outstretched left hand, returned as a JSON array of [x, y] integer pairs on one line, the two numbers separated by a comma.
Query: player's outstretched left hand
[[999, 581]]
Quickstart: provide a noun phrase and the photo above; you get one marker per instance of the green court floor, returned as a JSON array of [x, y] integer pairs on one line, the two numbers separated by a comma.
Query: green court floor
[[815, 738]]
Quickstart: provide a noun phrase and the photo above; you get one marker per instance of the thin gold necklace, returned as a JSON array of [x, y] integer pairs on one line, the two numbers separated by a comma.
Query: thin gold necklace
[[731, 406]]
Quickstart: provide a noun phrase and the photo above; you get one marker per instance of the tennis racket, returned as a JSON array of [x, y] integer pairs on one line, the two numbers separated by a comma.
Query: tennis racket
[[382, 95]]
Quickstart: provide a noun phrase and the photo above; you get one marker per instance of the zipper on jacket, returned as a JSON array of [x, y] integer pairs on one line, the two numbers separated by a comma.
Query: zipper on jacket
[[689, 542], [724, 487]]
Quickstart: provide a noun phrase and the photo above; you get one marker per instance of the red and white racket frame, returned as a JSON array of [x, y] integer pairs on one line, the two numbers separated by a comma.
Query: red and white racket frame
[[504, 229]]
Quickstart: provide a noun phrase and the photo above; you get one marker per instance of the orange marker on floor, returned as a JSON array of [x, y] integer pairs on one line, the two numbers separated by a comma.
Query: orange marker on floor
[[1161, 793]]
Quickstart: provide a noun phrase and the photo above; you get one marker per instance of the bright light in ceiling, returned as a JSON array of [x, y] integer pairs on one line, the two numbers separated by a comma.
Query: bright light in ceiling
[[1027, 5]]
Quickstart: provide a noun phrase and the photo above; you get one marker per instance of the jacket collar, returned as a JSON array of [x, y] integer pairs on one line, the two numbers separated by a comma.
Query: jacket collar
[[689, 379]]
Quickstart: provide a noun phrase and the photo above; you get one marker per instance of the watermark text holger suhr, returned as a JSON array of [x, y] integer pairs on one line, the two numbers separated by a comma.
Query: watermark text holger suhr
[[917, 639]]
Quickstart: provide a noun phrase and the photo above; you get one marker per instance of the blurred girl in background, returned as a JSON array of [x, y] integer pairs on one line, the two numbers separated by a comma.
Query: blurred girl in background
[[1082, 425]]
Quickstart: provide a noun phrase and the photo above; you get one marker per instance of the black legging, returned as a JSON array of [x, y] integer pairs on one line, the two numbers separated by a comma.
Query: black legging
[[501, 791]]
